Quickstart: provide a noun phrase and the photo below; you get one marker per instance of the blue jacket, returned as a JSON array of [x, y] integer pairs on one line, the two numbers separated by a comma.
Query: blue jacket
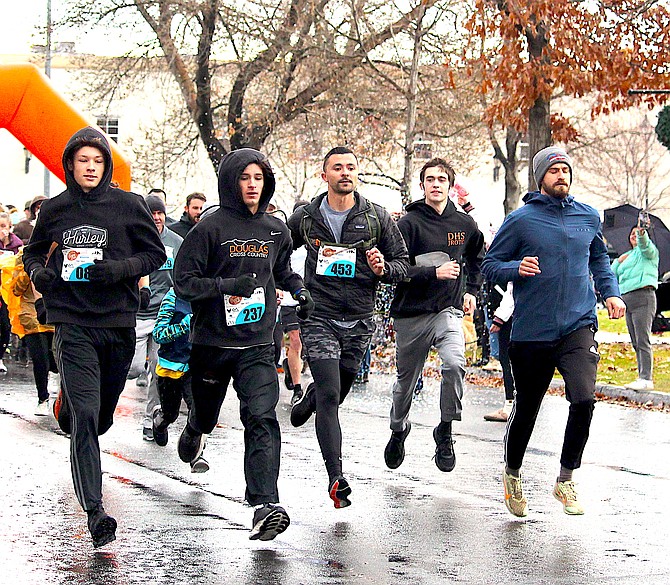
[[566, 237]]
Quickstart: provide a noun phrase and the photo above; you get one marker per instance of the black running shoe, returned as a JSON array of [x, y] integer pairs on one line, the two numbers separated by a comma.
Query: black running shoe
[[288, 380], [394, 454], [445, 458], [101, 526], [160, 429], [62, 413], [305, 407], [191, 444], [297, 394], [269, 521], [339, 491]]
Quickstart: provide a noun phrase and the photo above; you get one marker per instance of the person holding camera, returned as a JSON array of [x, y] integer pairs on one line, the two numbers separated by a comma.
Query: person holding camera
[[637, 273]]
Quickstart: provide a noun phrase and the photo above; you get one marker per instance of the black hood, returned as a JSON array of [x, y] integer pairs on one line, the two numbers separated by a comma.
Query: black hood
[[231, 168], [88, 137]]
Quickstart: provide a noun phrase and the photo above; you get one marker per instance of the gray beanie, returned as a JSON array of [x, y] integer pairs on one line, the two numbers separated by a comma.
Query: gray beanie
[[155, 203], [547, 157]]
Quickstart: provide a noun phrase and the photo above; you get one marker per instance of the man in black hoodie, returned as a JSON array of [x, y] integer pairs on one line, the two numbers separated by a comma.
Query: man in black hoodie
[[90, 245], [229, 267], [428, 307]]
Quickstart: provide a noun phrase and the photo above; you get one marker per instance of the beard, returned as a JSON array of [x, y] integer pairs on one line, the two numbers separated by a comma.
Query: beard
[[559, 191]]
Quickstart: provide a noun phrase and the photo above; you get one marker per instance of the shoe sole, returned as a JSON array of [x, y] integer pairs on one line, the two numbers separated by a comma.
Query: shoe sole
[[271, 526], [200, 466], [298, 422], [105, 532], [59, 408], [402, 449], [340, 500]]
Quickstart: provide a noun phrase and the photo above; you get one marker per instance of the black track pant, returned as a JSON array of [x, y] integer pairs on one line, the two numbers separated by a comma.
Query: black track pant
[[93, 363], [533, 363]]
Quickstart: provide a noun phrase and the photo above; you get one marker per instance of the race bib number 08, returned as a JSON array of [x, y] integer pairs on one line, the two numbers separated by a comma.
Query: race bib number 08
[[336, 261], [76, 262], [244, 310]]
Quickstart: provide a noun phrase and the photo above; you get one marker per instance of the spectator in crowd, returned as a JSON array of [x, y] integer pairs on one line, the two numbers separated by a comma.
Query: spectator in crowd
[[637, 273], [191, 215]]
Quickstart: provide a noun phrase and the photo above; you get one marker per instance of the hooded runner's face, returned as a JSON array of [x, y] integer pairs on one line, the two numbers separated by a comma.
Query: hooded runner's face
[[251, 186], [88, 166]]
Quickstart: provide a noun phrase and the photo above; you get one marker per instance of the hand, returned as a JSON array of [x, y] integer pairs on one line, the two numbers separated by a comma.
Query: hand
[[375, 261], [245, 285], [530, 266], [305, 303], [616, 308], [494, 328], [145, 297], [448, 271], [43, 279], [469, 304], [107, 271]]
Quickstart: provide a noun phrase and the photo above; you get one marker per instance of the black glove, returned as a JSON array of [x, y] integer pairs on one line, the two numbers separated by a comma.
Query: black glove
[[305, 303], [41, 311], [242, 286], [111, 271], [145, 297], [43, 278]]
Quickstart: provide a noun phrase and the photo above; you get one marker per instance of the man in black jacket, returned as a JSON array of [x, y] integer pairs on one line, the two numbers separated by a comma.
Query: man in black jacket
[[229, 267], [351, 244], [89, 247], [191, 215], [428, 307]]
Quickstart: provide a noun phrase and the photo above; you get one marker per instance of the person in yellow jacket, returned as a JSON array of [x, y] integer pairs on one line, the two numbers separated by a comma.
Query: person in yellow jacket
[[38, 337]]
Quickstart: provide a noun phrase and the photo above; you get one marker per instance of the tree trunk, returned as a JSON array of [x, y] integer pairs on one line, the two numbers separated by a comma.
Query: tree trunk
[[539, 134], [410, 129], [510, 163], [512, 186]]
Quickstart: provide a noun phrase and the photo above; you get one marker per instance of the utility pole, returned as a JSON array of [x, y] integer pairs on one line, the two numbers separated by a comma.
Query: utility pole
[[47, 71]]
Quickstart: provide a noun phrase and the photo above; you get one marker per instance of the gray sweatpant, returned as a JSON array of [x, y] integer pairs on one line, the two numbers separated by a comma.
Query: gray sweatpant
[[414, 338], [640, 311]]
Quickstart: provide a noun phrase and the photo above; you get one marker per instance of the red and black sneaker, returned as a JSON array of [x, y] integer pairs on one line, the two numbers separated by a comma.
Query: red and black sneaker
[[62, 413], [339, 491]]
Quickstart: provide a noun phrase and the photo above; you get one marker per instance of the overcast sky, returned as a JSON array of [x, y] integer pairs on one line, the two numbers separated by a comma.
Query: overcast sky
[[20, 30]]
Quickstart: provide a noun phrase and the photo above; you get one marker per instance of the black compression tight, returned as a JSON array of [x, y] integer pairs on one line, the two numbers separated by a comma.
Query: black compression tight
[[332, 386]]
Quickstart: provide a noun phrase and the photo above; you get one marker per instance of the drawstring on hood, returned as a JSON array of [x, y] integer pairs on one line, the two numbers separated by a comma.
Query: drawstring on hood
[[231, 168], [87, 137]]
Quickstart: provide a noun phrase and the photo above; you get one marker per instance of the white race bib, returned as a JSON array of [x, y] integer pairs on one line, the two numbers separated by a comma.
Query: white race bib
[[336, 261], [244, 310], [76, 262], [169, 262]]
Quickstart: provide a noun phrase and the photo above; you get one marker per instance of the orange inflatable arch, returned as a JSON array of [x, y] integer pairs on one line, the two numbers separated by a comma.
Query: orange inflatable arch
[[43, 121]]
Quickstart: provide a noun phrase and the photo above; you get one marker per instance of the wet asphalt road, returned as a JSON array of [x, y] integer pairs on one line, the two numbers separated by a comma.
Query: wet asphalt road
[[414, 525]]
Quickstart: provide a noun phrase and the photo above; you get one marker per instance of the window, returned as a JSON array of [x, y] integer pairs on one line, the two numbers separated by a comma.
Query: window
[[109, 125]]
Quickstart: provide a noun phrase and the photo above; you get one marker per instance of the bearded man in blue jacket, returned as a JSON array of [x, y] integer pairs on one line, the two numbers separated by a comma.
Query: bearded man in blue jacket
[[550, 248]]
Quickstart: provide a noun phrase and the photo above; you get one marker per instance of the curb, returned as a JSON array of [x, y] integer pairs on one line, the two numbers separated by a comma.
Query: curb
[[639, 397], [653, 397]]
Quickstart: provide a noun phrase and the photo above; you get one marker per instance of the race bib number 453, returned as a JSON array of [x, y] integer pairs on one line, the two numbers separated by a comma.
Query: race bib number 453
[[244, 310], [336, 261], [76, 262]]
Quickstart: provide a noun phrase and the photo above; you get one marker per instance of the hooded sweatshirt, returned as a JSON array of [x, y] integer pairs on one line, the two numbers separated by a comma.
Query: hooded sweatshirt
[[228, 243], [105, 223], [566, 237], [432, 239]]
